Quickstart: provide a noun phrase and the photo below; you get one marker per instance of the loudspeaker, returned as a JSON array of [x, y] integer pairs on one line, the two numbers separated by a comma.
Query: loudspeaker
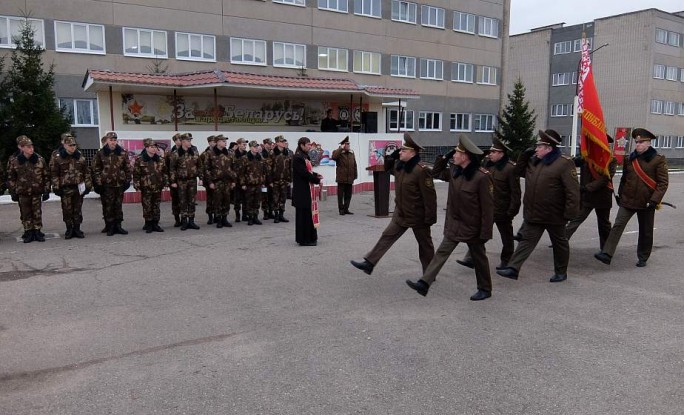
[[369, 120]]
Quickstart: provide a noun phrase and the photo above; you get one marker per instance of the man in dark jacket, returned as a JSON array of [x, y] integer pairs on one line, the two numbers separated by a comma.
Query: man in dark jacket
[[345, 174], [642, 187], [415, 206], [329, 124], [551, 199], [469, 217], [596, 193]]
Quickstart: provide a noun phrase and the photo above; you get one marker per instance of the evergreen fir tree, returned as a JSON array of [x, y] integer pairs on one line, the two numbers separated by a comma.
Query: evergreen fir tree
[[516, 123], [28, 104]]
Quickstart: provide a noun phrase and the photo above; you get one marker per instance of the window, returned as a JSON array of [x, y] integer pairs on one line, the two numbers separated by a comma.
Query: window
[[404, 11], [574, 78], [671, 73], [429, 121], [403, 66], [681, 75], [484, 123], [665, 141], [367, 8], [247, 51], [577, 44], [406, 120], [669, 108], [432, 16], [431, 69], [333, 59], [462, 72], [488, 75], [560, 48], [367, 62], [654, 143], [673, 38], [661, 36], [658, 71], [289, 55], [560, 79], [144, 43], [190, 46], [656, 106], [680, 141], [486, 26], [333, 5], [292, 2], [681, 108], [83, 112], [79, 37], [459, 122], [10, 29], [464, 22], [561, 110]]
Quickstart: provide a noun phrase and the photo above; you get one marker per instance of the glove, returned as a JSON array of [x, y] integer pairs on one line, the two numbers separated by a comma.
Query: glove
[[126, 186], [450, 155], [97, 189], [395, 154], [87, 190], [583, 189], [651, 205], [59, 192], [46, 196], [14, 197]]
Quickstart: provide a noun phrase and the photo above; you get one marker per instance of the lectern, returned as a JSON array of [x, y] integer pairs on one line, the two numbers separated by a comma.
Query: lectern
[[381, 190]]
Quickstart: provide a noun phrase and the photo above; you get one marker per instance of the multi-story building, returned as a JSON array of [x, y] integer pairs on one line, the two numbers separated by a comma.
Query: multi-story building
[[447, 54], [638, 67]]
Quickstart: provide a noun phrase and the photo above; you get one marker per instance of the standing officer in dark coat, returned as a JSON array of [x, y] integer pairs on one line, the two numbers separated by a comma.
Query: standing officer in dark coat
[[303, 177], [642, 187], [469, 217], [183, 175], [28, 180], [112, 177], [415, 206], [69, 170], [596, 193], [282, 177], [149, 177], [345, 174], [220, 177], [551, 199]]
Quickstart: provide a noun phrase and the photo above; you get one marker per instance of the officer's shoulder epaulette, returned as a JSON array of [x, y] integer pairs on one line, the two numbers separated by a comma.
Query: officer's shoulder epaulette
[[483, 170], [512, 163], [421, 165], [566, 157]]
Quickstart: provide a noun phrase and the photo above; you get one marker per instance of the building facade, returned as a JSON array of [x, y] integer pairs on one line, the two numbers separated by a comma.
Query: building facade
[[449, 53], [638, 67]]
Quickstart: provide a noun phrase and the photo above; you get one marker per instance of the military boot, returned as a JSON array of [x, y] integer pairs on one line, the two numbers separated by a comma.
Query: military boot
[[184, 224], [155, 226], [119, 229], [38, 235], [148, 226], [106, 228], [237, 215], [224, 222], [211, 218], [250, 221], [30, 237], [192, 224], [77, 232], [245, 216], [276, 218], [111, 228], [69, 233], [281, 217], [178, 221], [219, 222], [256, 220]]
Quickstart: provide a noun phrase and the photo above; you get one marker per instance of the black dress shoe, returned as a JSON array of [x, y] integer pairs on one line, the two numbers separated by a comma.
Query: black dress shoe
[[603, 257], [364, 266], [465, 263], [342, 212], [480, 295], [559, 278], [420, 286], [508, 272], [347, 212], [501, 266], [641, 263], [314, 243]]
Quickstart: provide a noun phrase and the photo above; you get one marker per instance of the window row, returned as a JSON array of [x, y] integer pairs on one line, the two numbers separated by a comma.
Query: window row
[[666, 107], [666, 141], [83, 112], [569, 46], [668, 72], [432, 121], [668, 38], [562, 110], [564, 78], [405, 66]]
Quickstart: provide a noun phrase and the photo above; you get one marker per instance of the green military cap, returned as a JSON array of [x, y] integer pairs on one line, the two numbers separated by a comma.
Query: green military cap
[[467, 146], [23, 140], [64, 136], [211, 139], [267, 141], [68, 140], [148, 142], [642, 134], [111, 134], [410, 144], [549, 137], [345, 141], [253, 143], [176, 136], [220, 137], [186, 136], [498, 145], [241, 141], [280, 139]]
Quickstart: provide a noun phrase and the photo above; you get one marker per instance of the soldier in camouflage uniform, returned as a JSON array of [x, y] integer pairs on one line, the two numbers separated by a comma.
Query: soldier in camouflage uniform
[[239, 195], [267, 198], [111, 178], [69, 169], [220, 177], [252, 179], [28, 180], [149, 177], [208, 191], [175, 206], [183, 174], [281, 176]]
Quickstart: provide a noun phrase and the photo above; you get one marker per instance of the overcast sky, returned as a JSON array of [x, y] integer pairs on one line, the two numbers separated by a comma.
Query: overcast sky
[[528, 14]]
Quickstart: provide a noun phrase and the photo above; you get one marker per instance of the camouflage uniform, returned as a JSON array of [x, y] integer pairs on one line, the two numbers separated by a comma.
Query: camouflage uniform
[[149, 176], [175, 206], [183, 172], [28, 180], [111, 177], [67, 172], [267, 198], [281, 176], [220, 172], [239, 194], [208, 191], [253, 177]]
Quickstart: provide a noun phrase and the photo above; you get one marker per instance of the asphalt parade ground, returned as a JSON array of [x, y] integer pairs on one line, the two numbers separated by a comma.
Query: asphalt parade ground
[[242, 320]]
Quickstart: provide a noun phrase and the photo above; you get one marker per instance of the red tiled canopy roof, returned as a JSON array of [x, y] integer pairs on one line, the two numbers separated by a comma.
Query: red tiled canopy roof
[[240, 79]]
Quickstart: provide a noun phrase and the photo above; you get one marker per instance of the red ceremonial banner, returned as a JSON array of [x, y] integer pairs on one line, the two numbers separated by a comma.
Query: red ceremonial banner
[[594, 143]]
